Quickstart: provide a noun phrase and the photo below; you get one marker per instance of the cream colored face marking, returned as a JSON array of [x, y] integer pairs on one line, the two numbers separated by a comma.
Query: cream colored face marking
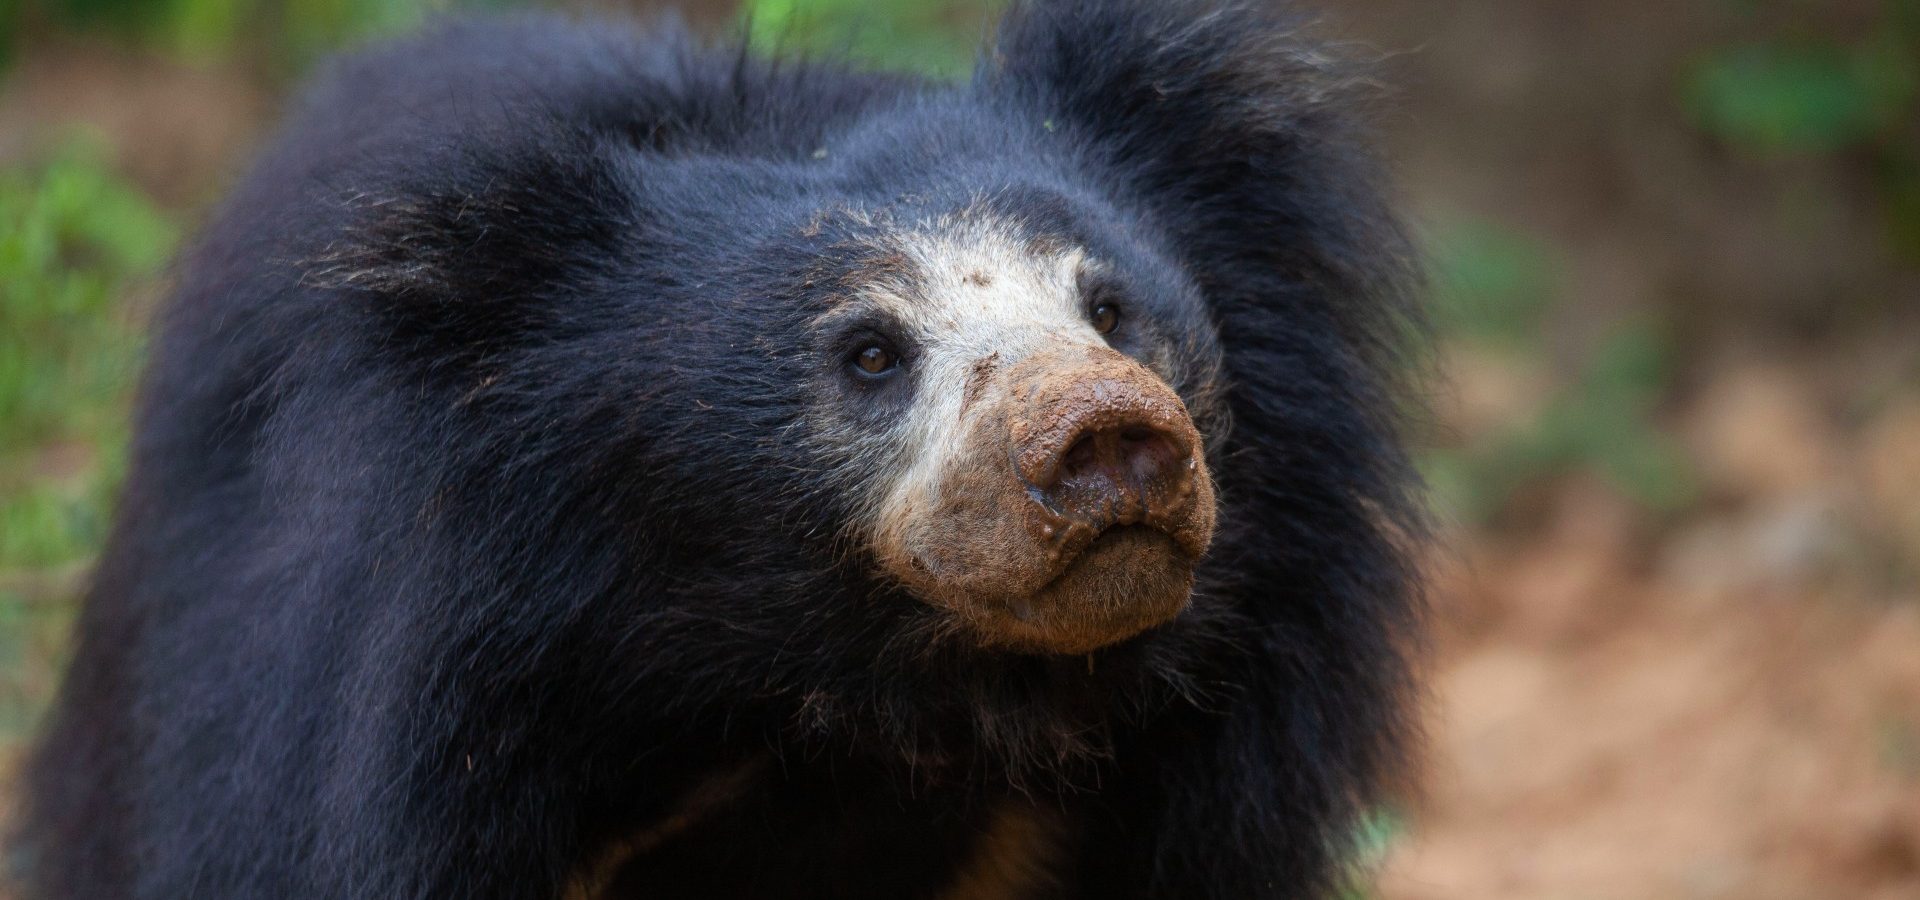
[[974, 295]]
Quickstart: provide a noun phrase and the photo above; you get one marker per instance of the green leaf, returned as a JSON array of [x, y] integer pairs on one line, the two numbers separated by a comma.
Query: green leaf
[[935, 37], [1492, 282], [1778, 99], [75, 239]]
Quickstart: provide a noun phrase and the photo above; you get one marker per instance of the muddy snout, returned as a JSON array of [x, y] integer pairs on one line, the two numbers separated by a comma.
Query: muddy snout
[[1072, 514], [1108, 446]]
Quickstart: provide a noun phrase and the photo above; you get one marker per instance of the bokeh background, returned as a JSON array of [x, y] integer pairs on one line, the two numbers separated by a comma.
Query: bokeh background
[[1676, 257]]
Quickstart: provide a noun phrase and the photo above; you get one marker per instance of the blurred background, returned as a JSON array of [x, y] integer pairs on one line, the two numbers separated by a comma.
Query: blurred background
[[1676, 249]]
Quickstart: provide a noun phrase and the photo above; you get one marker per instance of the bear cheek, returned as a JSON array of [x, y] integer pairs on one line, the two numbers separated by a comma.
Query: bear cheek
[[973, 546]]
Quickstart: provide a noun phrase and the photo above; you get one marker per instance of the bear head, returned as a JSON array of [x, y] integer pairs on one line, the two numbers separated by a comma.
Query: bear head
[[1033, 472]]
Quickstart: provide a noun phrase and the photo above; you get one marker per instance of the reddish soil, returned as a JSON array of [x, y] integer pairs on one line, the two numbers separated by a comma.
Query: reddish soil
[[1708, 729]]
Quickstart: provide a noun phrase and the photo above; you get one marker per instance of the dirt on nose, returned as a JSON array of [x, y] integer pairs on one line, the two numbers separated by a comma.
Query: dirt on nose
[[1100, 441], [1074, 514]]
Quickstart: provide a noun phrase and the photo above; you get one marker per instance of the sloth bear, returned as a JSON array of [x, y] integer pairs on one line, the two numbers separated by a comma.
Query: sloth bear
[[580, 464]]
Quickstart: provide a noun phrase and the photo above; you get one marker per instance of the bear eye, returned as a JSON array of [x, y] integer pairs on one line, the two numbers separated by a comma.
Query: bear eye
[[1106, 317], [876, 360]]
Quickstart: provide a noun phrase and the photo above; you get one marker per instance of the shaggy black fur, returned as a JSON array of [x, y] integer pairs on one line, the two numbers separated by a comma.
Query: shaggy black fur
[[478, 516]]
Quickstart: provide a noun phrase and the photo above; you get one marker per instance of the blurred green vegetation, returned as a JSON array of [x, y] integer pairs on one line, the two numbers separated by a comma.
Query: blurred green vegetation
[[1808, 90], [1379, 831], [933, 36], [1494, 290], [938, 37], [284, 34], [75, 241]]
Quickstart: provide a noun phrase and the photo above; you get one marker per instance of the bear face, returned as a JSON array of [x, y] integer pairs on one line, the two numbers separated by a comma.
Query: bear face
[[1036, 481]]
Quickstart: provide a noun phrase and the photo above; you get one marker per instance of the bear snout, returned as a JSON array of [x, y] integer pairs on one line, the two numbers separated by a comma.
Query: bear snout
[[1075, 516], [1105, 444], [1111, 452]]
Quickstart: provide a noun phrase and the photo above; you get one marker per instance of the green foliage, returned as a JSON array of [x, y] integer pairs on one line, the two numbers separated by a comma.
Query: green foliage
[[1494, 290], [1379, 830], [1491, 284], [1602, 423], [935, 37], [309, 28], [1778, 99], [9, 31], [1819, 95], [1898, 173], [282, 33], [196, 28], [73, 239]]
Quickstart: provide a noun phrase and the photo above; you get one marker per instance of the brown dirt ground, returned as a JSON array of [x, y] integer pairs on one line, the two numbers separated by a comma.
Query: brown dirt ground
[[1693, 733]]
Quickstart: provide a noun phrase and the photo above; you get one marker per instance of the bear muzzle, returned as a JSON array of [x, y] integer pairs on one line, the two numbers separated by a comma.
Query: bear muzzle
[[1108, 447], [1076, 511]]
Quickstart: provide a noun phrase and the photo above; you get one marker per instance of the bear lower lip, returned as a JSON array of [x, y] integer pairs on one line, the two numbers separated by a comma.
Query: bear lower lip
[[1126, 580], [1120, 537]]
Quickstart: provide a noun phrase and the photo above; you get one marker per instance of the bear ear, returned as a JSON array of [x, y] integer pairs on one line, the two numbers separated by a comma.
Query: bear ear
[[1222, 66], [465, 255], [1244, 134]]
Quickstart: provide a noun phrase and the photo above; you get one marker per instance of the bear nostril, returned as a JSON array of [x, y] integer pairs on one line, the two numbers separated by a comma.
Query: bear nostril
[[1151, 457], [1079, 457], [1108, 447], [1131, 458]]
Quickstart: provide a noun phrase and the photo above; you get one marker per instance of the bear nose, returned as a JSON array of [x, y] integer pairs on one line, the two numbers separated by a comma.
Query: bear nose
[[1135, 457], [1112, 451]]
